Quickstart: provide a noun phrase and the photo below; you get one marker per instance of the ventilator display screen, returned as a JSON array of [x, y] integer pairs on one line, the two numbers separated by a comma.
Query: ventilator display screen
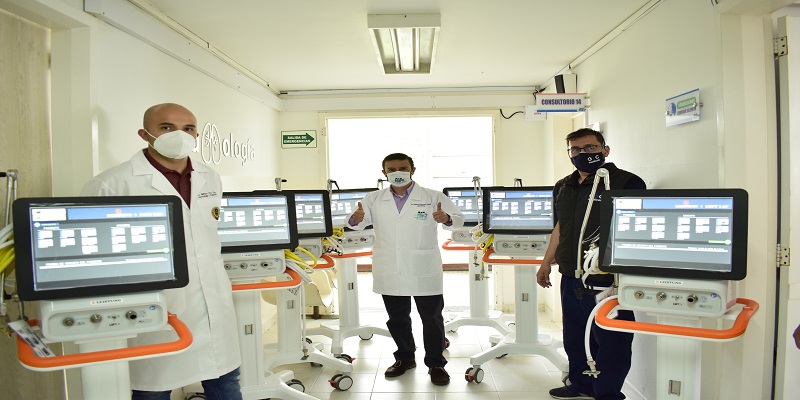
[[466, 200], [344, 202], [313, 212], [697, 233], [89, 246], [518, 210], [257, 222]]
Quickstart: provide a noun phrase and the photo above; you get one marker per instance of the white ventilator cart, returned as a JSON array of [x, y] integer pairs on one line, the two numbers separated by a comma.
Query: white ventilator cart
[[472, 239], [677, 253], [355, 244], [97, 267], [521, 220], [257, 231]]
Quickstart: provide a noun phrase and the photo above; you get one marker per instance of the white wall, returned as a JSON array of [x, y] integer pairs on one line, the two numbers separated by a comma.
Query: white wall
[[304, 168], [128, 76], [676, 48]]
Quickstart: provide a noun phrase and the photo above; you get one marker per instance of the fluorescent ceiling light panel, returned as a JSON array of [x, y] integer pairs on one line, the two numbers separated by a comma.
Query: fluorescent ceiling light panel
[[405, 43]]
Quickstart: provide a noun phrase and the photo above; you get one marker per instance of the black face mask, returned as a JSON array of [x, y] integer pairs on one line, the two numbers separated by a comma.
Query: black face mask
[[588, 162]]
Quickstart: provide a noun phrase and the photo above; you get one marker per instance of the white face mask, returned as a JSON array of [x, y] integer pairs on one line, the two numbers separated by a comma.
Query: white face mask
[[176, 144], [399, 178]]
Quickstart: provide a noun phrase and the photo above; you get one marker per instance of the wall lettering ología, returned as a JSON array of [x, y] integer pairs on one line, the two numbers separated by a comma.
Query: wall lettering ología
[[212, 147]]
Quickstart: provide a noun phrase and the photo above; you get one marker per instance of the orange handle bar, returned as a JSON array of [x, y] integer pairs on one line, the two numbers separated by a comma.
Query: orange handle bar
[[353, 255], [329, 262], [488, 260], [448, 246], [29, 358], [296, 281], [738, 328]]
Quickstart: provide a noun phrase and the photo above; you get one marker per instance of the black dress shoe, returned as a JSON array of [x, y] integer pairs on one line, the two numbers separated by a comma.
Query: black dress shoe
[[439, 376], [400, 368]]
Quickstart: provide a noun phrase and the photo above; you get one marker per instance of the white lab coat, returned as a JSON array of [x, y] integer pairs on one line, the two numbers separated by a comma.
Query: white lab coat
[[406, 259], [205, 305]]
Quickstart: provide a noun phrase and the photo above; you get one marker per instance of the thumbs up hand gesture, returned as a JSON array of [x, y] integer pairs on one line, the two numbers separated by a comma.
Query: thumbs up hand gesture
[[358, 215], [439, 215]]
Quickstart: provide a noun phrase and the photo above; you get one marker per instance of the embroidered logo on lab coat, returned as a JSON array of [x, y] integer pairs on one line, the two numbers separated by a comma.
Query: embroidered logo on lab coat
[[421, 215], [215, 213], [206, 194]]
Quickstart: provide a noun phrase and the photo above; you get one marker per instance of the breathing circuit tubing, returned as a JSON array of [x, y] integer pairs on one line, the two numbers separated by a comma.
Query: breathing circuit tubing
[[601, 173]]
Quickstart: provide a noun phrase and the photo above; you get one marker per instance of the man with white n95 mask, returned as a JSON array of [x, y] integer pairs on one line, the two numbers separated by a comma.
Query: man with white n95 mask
[[406, 261], [205, 305]]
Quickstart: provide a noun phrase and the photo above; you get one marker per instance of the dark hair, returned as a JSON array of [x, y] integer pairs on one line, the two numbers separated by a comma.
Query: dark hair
[[586, 132], [396, 157]]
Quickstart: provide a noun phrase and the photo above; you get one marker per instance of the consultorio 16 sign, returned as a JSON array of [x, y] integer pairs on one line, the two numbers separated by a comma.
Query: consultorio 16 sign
[[213, 147]]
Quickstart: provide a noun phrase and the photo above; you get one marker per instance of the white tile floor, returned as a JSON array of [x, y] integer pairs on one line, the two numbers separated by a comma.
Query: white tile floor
[[514, 377]]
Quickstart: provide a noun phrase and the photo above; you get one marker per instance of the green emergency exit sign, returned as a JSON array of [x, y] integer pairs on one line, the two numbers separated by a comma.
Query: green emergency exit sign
[[298, 139]]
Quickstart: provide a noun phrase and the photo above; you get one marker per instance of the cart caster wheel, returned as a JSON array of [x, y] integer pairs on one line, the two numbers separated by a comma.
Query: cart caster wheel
[[446, 343], [296, 385], [341, 382], [365, 337], [316, 365], [474, 375], [345, 357], [196, 396]]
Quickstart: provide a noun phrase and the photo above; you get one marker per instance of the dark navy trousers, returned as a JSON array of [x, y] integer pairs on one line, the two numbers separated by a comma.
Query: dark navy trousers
[[399, 324], [611, 350]]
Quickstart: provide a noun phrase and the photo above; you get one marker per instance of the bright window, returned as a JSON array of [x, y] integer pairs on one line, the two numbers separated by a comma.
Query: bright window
[[447, 151]]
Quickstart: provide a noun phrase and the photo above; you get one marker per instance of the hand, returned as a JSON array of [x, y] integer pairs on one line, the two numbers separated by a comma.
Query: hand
[[543, 276], [358, 215], [440, 216], [796, 336]]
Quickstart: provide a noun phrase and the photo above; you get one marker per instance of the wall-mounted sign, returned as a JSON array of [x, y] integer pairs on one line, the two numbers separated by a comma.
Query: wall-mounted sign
[[298, 139], [561, 102], [212, 147], [683, 108]]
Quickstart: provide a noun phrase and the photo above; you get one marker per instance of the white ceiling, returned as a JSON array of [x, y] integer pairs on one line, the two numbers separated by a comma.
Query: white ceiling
[[300, 45]]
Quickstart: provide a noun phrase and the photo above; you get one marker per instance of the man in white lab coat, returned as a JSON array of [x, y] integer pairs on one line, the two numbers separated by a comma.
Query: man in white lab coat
[[406, 261], [205, 305]]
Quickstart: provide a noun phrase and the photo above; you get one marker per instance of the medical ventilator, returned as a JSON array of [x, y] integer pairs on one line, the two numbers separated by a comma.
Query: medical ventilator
[[677, 252], [521, 220], [353, 244], [98, 267], [472, 238]]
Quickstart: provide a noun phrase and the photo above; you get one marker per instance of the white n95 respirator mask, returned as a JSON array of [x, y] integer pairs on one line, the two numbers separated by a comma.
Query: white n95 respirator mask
[[399, 178], [176, 144]]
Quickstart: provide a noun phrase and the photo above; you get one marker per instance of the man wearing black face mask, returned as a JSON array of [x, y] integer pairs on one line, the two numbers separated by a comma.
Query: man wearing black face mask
[[611, 350]]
